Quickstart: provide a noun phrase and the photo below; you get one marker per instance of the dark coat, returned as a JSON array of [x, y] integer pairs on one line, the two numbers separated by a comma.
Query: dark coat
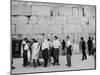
[[83, 45], [63, 45], [69, 50], [89, 43]]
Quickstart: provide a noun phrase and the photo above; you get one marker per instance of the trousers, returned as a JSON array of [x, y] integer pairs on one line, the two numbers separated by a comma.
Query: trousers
[[25, 60], [56, 56], [68, 56], [45, 56], [84, 55]]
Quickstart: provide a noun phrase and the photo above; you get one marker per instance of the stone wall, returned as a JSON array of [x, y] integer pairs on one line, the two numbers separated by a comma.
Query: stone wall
[[29, 18]]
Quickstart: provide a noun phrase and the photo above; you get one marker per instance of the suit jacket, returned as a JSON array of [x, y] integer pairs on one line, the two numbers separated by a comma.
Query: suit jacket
[[83, 45], [89, 43], [69, 50]]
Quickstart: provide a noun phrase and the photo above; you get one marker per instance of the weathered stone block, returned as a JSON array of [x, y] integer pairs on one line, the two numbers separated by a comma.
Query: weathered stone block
[[40, 10]]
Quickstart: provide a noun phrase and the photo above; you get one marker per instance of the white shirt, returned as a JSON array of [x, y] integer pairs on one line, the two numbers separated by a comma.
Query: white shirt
[[50, 44], [45, 44], [56, 43], [26, 47], [23, 42], [93, 43], [68, 43]]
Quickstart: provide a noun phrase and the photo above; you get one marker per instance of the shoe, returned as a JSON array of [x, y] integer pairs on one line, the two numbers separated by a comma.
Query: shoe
[[53, 64], [82, 59], [58, 64], [24, 65], [45, 66], [66, 64], [28, 63], [34, 66], [69, 66], [39, 64]]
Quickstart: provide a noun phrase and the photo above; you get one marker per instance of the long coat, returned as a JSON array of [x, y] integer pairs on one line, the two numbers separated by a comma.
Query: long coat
[[83, 45], [35, 50]]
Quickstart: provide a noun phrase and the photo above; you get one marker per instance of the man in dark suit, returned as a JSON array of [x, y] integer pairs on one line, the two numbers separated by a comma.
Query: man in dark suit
[[83, 49], [89, 43]]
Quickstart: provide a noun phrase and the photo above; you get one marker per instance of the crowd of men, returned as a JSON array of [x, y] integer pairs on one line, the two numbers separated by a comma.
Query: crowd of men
[[91, 46], [30, 50]]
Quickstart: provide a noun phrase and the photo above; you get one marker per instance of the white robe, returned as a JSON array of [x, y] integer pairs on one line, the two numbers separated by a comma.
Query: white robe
[[28, 52], [29, 55], [35, 50], [23, 42]]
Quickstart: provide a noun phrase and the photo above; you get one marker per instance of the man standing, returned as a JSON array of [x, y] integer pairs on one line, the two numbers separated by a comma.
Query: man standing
[[49, 51], [24, 52], [63, 47], [83, 49], [45, 48], [35, 52], [89, 43], [56, 46], [22, 45], [68, 51], [93, 46], [80, 46]]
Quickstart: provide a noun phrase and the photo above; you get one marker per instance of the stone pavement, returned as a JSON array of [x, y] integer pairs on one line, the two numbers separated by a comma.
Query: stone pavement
[[77, 64]]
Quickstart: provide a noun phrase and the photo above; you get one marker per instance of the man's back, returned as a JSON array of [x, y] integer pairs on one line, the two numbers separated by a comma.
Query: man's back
[[56, 43], [83, 45], [89, 43]]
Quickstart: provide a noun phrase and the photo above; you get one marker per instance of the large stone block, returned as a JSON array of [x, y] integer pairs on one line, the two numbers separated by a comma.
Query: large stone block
[[29, 29], [33, 20], [14, 20], [73, 20], [43, 20], [20, 8], [69, 28], [24, 29], [59, 20], [84, 20], [55, 28], [40, 10], [13, 29], [20, 29], [15, 8], [22, 20], [85, 28], [42, 28]]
